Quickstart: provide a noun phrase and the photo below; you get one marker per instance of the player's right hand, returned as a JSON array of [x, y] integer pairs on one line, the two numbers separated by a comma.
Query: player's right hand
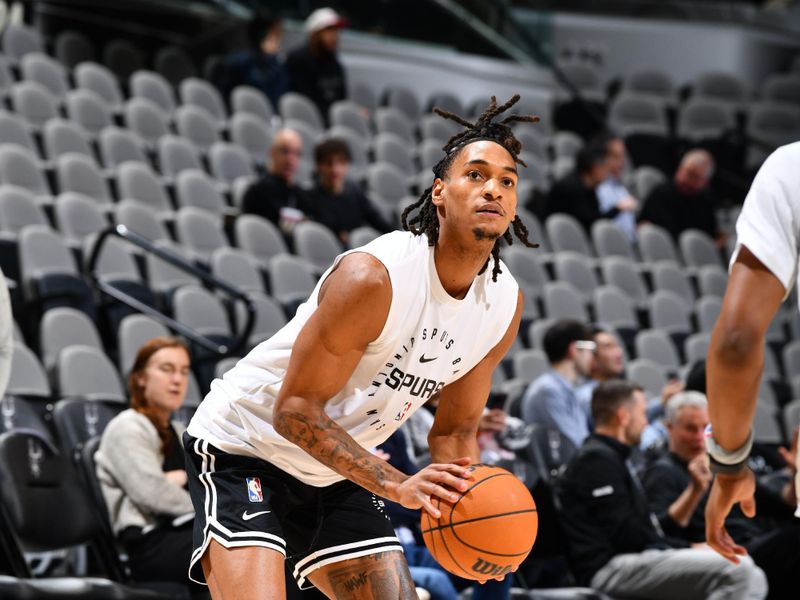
[[726, 491], [445, 481]]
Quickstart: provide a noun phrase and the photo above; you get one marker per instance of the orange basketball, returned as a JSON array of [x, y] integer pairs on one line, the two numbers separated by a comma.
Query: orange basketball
[[488, 531]]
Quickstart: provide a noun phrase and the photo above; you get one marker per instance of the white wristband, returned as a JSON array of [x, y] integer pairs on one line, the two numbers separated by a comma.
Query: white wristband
[[724, 457]]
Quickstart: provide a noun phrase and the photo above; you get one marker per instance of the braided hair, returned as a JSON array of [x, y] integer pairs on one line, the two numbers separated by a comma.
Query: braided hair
[[426, 219]]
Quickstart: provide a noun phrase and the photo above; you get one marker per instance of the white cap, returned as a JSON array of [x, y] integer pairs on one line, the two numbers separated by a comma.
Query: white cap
[[322, 18]]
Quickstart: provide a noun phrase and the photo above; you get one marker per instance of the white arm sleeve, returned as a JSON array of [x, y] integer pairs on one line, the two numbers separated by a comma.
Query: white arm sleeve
[[769, 225]]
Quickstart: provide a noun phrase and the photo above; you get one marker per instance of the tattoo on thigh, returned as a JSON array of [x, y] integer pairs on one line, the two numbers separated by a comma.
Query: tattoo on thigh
[[382, 578]]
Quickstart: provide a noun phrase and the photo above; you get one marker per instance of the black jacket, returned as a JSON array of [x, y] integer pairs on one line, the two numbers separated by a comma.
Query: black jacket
[[604, 512], [342, 213], [570, 196], [666, 207], [269, 194], [319, 77]]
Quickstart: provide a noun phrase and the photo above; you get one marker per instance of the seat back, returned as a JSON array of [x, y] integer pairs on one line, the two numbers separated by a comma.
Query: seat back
[[77, 420]]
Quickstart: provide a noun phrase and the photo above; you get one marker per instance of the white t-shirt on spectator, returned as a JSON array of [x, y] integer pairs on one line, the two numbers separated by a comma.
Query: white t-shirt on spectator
[[769, 224]]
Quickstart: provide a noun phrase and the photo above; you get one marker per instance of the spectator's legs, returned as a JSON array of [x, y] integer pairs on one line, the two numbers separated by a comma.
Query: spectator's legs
[[685, 574]]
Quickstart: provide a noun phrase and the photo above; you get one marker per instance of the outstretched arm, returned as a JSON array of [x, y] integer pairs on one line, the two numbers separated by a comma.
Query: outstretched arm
[[352, 310], [454, 431], [735, 362]]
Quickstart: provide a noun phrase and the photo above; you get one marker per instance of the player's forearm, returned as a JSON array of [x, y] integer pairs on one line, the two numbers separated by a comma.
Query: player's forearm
[[445, 448], [735, 361], [305, 424]]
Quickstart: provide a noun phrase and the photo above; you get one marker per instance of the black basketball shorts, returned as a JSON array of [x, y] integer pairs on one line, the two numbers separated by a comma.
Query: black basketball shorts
[[245, 501]]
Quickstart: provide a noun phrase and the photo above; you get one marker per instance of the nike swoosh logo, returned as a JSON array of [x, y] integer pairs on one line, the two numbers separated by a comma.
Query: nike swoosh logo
[[422, 359], [246, 516]]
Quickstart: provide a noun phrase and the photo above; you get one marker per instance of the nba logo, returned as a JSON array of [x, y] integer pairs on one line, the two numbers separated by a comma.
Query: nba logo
[[254, 489]]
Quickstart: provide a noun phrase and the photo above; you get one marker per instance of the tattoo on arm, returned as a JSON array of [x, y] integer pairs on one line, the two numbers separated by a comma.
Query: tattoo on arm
[[326, 441]]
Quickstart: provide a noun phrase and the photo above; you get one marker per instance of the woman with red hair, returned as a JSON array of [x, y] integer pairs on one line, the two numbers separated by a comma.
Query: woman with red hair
[[140, 465]]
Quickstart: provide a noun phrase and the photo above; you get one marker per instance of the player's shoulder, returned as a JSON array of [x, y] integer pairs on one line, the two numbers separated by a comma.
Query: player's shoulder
[[783, 161]]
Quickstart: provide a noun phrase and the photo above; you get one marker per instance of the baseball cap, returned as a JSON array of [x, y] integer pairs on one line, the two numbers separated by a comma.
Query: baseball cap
[[322, 18]]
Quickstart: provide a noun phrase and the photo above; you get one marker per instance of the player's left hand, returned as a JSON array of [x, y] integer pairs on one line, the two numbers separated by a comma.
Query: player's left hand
[[726, 491]]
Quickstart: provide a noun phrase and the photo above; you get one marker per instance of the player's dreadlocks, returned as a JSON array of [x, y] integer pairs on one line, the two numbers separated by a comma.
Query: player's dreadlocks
[[426, 220]]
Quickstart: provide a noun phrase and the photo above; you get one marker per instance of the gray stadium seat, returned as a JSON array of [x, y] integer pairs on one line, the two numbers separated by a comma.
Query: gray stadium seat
[[437, 129], [146, 120], [201, 93], [139, 217], [316, 244], [770, 125], [656, 244], [18, 208], [391, 120], [249, 100], [657, 346], [20, 167], [269, 318], [566, 143], [89, 111], [99, 80], [392, 149], [87, 371], [61, 136], [649, 374], [237, 268], [176, 154], [720, 86], [613, 307], [704, 118], [527, 269], [403, 99], [42, 253], [307, 133], [251, 133], [163, 276], [197, 189], [782, 87], [349, 114], [13, 131], [533, 142], [446, 101], [572, 268], [529, 364], [623, 274], [387, 183], [259, 238], [651, 82], [33, 102], [79, 173], [138, 181], [698, 249], [72, 48], [122, 58], [78, 216], [63, 327], [791, 358], [197, 126], [46, 71], [294, 106], [644, 180], [630, 114], [713, 280], [537, 330], [201, 310], [174, 64], [670, 313], [363, 94], [119, 146], [429, 152], [290, 279], [609, 240], [707, 310], [695, 348], [199, 232], [228, 162], [134, 331], [225, 365], [361, 236], [765, 425], [563, 301], [153, 87], [19, 40], [565, 233], [28, 377], [6, 76], [668, 276]]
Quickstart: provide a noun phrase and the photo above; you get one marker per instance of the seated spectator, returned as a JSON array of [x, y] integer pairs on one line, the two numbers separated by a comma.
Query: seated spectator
[[609, 363], [576, 194], [335, 201], [140, 466], [275, 196], [550, 400], [616, 545], [314, 68], [260, 66], [685, 202], [611, 191], [677, 486]]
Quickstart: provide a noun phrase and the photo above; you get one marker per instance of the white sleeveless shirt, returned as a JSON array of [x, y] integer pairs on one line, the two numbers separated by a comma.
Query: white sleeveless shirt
[[430, 339]]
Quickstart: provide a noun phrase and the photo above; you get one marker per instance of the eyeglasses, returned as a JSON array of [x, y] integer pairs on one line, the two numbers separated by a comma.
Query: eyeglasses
[[586, 345]]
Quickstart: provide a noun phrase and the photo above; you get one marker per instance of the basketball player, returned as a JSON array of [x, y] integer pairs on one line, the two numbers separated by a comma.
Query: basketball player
[[762, 273], [279, 461]]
